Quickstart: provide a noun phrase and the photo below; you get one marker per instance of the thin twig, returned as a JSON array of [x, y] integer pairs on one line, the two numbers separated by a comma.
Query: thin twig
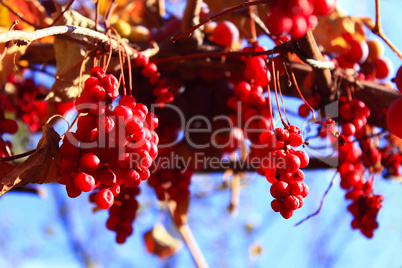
[[252, 23], [276, 91], [17, 156], [214, 17], [235, 195], [62, 13], [96, 14], [109, 14], [377, 29], [19, 15], [189, 239], [321, 202]]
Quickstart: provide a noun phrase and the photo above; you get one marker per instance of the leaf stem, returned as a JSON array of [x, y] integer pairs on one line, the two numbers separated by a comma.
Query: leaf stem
[[17, 156]]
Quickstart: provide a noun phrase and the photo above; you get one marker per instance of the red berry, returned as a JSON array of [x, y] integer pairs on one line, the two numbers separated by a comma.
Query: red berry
[[383, 68], [270, 175], [394, 118], [89, 162], [292, 163], [97, 72], [291, 202], [276, 205], [303, 157], [398, 79], [304, 110], [286, 213], [280, 189], [295, 140], [225, 34], [128, 101], [84, 182], [8, 126], [323, 7], [104, 198]]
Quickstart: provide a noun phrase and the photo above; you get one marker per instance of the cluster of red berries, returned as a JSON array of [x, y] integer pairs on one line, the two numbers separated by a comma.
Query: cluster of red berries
[[248, 100], [365, 57], [161, 91], [294, 17], [251, 107], [32, 113], [171, 184], [113, 147], [391, 160], [354, 116], [281, 166], [122, 213], [365, 208]]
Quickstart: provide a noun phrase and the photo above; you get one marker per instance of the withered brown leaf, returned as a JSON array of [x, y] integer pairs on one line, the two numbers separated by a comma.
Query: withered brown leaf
[[42, 166]]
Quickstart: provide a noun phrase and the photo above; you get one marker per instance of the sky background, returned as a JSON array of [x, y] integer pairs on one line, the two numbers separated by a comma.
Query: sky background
[[55, 231]]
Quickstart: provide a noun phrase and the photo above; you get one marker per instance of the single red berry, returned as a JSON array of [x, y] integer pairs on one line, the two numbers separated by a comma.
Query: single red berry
[[291, 202], [280, 189], [104, 198], [89, 162], [276, 205], [128, 101], [303, 157], [292, 163], [84, 181]]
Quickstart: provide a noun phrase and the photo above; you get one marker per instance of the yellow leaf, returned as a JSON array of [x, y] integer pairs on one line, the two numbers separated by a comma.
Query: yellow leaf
[[4, 17], [330, 32], [42, 166]]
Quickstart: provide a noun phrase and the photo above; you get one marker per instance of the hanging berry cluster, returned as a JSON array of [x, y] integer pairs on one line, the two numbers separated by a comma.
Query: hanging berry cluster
[[281, 166], [150, 70], [171, 184], [353, 160], [253, 111], [296, 16], [111, 150], [122, 213], [33, 113], [365, 209], [354, 116]]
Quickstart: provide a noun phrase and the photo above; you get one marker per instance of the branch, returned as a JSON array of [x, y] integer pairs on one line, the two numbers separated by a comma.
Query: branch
[[377, 29], [62, 13], [25, 38], [189, 239], [310, 49]]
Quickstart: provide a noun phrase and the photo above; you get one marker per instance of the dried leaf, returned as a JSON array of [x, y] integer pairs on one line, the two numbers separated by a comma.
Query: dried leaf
[[7, 65], [21, 7], [330, 31], [43, 166], [159, 242], [69, 56]]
